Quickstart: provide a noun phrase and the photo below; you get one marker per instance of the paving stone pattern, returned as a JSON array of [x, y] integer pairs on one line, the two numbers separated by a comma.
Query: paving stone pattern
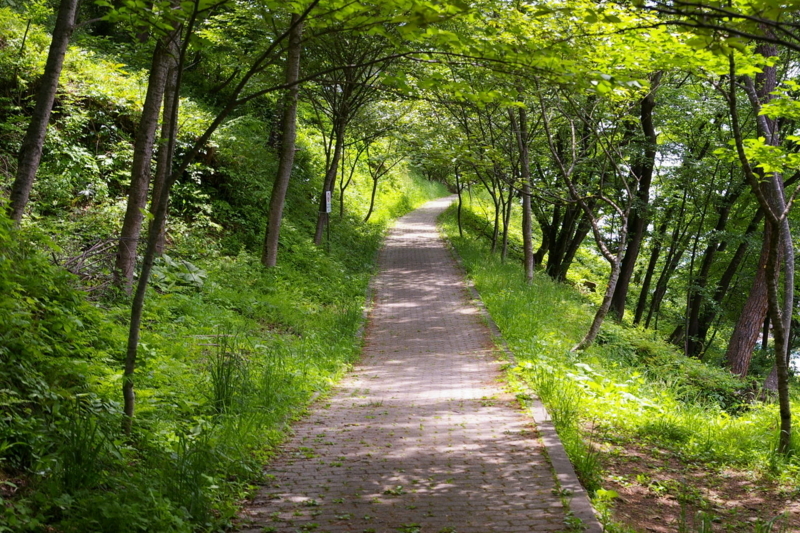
[[420, 437]]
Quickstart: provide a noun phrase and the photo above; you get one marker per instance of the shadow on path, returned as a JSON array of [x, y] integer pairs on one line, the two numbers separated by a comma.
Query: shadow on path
[[420, 437]]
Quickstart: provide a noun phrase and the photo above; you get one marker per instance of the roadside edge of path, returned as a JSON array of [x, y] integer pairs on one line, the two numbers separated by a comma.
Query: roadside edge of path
[[579, 504]]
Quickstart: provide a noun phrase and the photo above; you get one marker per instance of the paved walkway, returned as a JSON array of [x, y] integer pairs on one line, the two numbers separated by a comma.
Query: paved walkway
[[420, 437]]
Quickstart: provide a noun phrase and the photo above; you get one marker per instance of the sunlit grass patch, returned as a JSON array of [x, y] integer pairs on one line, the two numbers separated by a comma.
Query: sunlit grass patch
[[630, 381]]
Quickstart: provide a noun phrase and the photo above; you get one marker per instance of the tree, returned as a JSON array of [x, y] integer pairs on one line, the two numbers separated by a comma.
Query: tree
[[642, 168], [379, 162], [143, 148], [609, 179], [31, 151], [769, 188], [161, 202], [522, 135], [355, 64], [287, 145]]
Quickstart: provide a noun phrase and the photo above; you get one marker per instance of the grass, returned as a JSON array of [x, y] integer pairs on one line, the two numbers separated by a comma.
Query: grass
[[629, 383]]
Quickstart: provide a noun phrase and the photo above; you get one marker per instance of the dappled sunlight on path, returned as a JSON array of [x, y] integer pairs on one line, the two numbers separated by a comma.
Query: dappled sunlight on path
[[420, 437]]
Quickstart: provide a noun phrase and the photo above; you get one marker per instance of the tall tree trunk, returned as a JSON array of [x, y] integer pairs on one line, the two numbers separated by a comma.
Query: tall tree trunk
[[160, 206], [168, 137], [161, 203], [140, 168], [651, 266], [637, 223], [330, 179], [525, 172], [287, 147], [372, 200], [507, 205], [695, 336], [769, 189], [30, 153], [459, 190], [711, 312]]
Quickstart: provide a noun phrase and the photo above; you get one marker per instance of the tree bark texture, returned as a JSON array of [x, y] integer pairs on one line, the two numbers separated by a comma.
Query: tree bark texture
[[330, 180], [525, 173], [287, 147], [30, 154], [166, 145], [143, 146], [637, 224], [695, 334]]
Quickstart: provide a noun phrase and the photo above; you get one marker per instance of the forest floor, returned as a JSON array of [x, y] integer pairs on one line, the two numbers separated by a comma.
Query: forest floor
[[421, 437], [659, 492]]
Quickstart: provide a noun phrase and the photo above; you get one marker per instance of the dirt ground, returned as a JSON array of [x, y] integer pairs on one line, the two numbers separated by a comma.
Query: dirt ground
[[658, 492]]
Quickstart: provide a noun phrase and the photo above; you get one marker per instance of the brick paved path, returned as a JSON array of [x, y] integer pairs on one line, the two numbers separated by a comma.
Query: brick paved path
[[420, 437]]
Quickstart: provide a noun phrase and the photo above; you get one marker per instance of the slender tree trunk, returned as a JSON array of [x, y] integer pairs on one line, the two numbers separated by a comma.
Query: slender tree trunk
[[140, 168], [769, 189], [31, 152], [460, 202], [330, 179], [783, 253], [507, 205], [161, 202], [287, 147], [721, 290], [342, 188], [637, 223], [168, 137], [695, 334], [671, 264], [372, 198], [602, 311], [525, 172], [651, 267], [160, 206], [496, 227]]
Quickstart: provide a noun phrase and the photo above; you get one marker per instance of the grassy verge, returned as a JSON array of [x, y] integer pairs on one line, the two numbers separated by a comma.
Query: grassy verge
[[230, 354], [630, 391]]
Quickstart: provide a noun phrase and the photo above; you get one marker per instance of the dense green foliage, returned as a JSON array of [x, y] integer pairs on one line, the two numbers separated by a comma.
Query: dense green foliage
[[663, 132], [230, 352]]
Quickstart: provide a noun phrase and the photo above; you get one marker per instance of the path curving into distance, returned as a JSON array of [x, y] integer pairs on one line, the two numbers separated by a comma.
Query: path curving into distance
[[420, 437]]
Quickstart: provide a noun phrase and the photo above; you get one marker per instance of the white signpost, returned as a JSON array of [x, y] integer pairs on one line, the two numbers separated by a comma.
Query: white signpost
[[327, 201]]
